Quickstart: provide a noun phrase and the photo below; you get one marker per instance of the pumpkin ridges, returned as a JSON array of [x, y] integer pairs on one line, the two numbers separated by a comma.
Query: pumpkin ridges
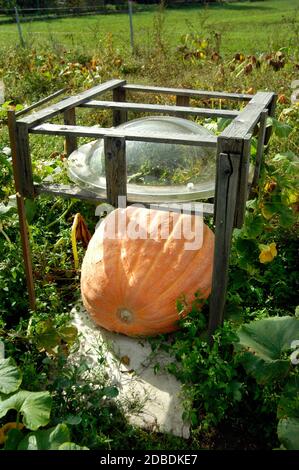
[[175, 219], [204, 272], [119, 274], [152, 265]]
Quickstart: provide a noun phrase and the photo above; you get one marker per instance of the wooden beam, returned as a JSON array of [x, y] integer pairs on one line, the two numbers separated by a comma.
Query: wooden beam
[[73, 191], [21, 210], [69, 117], [243, 183], [40, 102], [119, 115], [51, 111], [232, 139], [196, 208], [189, 92], [248, 117], [68, 191], [94, 132], [24, 160], [228, 177], [162, 109], [115, 168], [183, 101]]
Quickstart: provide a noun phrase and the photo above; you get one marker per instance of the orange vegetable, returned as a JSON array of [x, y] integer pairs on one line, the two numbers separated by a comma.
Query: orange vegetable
[[130, 285]]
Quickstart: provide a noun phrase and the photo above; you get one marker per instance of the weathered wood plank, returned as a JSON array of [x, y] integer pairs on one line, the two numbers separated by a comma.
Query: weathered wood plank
[[195, 208], [115, 169], [259, 153], [76, 192], [188, 92], [24, 160], [231, 140], [119, 115], [183, 101], [76, 100], [69, 191], [94, 132], [162, 109], [243, 183], [69, 117], [248, 117], [40, 102], [225, 146], [228, 177], [21, 211]]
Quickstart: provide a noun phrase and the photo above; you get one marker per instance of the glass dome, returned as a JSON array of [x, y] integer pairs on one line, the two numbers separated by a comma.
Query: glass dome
[[156, 172]]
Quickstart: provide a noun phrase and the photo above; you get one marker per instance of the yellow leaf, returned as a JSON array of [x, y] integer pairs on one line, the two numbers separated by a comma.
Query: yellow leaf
[[268, 253]]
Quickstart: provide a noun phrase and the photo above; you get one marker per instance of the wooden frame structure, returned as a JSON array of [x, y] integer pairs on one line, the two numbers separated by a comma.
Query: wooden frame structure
[[233, 153]]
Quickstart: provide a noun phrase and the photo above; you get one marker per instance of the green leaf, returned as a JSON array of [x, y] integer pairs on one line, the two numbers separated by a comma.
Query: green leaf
[[49, 439], [68, 333], [222, 123], [262, 344], [288, 433], [30, 208], [35, 407], [281, 129], [254, 225], [110, 392], [14, 437], [71, 446], [286, 217], [46, 336], [288, 405], [72, 419], [10, 376]]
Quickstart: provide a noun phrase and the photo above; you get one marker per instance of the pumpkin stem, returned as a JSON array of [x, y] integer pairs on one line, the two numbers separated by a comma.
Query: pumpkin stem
[[125, 315]]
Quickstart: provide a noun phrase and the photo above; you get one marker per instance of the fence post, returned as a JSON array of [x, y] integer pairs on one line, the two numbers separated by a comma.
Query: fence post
[[19, 27], [131, 25]]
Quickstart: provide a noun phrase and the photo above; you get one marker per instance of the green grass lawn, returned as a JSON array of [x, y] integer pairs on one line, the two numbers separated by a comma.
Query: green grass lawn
[[248, 27]]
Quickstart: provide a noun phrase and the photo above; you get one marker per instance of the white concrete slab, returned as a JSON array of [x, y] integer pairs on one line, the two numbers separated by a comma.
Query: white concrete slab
[[130, 365]]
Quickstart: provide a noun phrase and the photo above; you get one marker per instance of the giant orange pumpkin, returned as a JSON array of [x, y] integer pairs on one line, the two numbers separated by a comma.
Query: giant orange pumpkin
[[138, 263]]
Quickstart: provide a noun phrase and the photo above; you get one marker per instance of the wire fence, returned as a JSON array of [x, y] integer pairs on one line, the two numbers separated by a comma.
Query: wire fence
[[7, 15], [38, 14]]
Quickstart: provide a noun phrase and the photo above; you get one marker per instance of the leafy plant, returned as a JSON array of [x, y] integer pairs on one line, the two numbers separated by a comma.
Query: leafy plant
[[263, 344], [35, 409], [262, 350]]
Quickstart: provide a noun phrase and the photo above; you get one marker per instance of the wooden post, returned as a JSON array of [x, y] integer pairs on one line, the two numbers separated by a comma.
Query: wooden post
[[24, 160], [115, 167], [182, 101], [228, 177], [119, 116], [21, 208], [242, 192], [70, 120]]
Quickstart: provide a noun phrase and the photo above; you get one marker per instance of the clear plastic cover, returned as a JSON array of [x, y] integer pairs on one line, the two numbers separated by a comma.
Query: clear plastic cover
[[155, 171]]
